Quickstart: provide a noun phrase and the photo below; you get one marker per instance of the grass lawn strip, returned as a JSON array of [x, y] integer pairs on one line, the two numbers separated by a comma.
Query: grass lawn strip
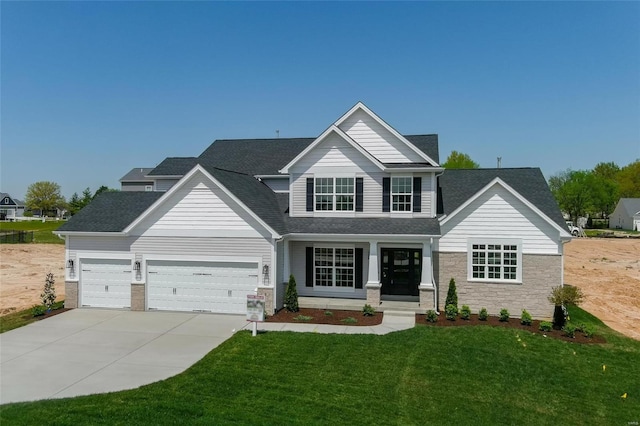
[[443, 375], [42, 231], [22, 318]]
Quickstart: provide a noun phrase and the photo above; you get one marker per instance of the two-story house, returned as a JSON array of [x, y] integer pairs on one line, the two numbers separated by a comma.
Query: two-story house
[[360, 212]]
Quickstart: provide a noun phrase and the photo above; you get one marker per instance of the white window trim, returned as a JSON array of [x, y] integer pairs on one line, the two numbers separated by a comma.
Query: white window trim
[[333, 287], [391, 194], [334, 194], [489, 241]]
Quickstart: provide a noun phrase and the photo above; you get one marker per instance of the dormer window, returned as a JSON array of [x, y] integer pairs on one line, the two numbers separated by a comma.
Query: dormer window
[[334, 194]]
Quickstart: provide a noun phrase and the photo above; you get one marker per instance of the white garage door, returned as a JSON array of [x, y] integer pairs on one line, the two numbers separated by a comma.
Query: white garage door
[[105, 283], [201, 286]]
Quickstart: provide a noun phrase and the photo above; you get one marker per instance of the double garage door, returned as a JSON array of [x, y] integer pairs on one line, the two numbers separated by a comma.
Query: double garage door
[[171, 285]]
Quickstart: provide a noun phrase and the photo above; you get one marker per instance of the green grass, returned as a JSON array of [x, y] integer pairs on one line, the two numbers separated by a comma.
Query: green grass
[[426, 375], [42, 232], [21, 318]]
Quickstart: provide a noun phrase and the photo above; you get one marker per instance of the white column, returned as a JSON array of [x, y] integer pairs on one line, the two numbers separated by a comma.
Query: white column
[[286, 269], [374, 266], [426, 276]]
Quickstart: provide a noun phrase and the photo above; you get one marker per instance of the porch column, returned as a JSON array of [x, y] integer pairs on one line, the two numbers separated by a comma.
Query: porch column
[[373, 282], [426, 288], [286, 268]]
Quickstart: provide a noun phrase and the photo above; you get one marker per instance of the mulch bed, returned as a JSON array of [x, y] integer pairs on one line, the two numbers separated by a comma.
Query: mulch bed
[[320, 316], [494, 321], [49, 314]]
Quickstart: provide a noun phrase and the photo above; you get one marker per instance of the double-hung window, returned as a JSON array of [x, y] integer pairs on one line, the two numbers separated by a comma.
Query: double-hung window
[[334, 194], [497, 260], [334, 267], [401, 191]]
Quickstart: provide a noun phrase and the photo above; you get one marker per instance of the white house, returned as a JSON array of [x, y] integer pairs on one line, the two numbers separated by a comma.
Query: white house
[[10, 208], [359, 212], [626, 215]]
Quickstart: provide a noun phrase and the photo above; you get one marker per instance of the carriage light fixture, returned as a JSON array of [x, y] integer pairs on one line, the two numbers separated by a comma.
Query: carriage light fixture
[[136, 266], [70, 264]]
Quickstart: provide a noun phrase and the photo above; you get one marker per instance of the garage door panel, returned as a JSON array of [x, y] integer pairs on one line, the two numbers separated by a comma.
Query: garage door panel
[[201, 286], [105, 283]]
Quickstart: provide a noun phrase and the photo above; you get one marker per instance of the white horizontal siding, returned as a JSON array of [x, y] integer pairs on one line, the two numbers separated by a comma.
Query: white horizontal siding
[[163, 185], [377, 140], [199, 208], [204, 247], [499, 214]]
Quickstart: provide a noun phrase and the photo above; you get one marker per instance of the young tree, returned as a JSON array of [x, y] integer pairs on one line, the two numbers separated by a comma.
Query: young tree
[[48, 294], [44, 196], [459, 160], [291, 296], [452, 294]]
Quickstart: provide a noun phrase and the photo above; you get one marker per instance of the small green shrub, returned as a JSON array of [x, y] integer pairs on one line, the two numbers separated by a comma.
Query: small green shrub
[[38, 310], [451, 312], [431, 316], [349, 320], [291, 296], [570, 330], [525, 318], [545, 326], [465, 312], [588, 331], [304, 318], [566, 295], [504, 315], [368, 311], [452, 294], [328, 313], [483, 314], [580, 327]]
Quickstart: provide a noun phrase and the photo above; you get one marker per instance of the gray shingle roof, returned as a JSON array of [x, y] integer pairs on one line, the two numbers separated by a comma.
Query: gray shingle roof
[[456, 186], [174, 166], [137, 174], [363, 226], [630, 205], [427, 144], [111, 211]]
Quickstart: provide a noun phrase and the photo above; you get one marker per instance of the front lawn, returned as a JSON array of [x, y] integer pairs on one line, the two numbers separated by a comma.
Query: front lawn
[[426, 375], [42, 231]]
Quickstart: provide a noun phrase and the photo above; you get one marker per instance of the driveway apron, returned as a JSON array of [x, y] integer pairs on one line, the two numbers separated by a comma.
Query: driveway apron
[[87, 351]]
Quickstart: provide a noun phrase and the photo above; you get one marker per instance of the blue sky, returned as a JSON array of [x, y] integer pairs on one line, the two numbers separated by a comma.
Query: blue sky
[[90, 90]]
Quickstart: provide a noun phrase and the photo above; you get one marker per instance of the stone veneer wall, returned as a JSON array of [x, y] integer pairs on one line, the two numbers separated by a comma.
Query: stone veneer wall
[[138, 296], [540, 274], [267, 292], [71, 294]]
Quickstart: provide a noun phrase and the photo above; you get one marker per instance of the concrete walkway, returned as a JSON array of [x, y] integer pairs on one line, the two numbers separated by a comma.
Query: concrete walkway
[[87, 351]]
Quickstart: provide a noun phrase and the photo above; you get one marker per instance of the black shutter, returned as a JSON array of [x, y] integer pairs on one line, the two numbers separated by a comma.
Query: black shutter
[[359, 195], [358, 266], [309, 194], [417, 194], [309, 271], [386, 194]]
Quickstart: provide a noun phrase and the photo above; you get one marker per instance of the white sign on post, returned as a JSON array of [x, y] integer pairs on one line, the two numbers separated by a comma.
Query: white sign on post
[[255, 310]]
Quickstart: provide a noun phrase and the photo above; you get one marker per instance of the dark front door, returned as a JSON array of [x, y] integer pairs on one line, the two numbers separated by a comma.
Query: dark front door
[[401, 271]]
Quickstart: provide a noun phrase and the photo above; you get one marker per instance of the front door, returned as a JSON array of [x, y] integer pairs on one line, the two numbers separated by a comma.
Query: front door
[[401, 271]]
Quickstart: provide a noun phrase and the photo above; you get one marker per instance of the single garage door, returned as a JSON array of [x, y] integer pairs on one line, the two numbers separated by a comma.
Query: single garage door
[[105, 283], [201, 286]]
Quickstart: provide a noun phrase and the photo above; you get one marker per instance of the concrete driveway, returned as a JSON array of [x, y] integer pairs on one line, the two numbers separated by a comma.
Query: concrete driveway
[[86, 351]]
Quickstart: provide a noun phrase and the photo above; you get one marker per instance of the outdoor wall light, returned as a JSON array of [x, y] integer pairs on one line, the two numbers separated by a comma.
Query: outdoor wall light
[[70, 264], [136, 266]]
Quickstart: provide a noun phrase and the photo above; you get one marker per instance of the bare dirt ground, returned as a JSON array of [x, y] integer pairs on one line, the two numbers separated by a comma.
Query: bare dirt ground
[[23, 269], [606, 269]]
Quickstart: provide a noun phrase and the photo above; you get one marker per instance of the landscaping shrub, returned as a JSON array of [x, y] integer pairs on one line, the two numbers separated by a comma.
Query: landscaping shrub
[[465, 312], [570, 330], [38, 310], [452, 294], [431, 315], [349, 320], [588, 331], [291, 296], [48, 295], [525, 318], [566, 295], [451, 312], [368, 311], [304, 318], [504, 315], [328, 313], [545, 326], [483, 314]]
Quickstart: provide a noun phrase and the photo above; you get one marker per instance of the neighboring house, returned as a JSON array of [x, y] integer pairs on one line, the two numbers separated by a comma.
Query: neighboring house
[[10, 208], [360, 212], [626, 215], [136, 180]]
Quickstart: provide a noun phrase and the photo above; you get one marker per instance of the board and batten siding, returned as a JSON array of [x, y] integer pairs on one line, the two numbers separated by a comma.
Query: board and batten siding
[[499, 214], [199, 208], [377, 140]]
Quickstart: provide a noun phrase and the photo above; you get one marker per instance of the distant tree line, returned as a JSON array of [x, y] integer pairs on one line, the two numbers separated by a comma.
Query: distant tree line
[[45, 198], [595, 192]]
